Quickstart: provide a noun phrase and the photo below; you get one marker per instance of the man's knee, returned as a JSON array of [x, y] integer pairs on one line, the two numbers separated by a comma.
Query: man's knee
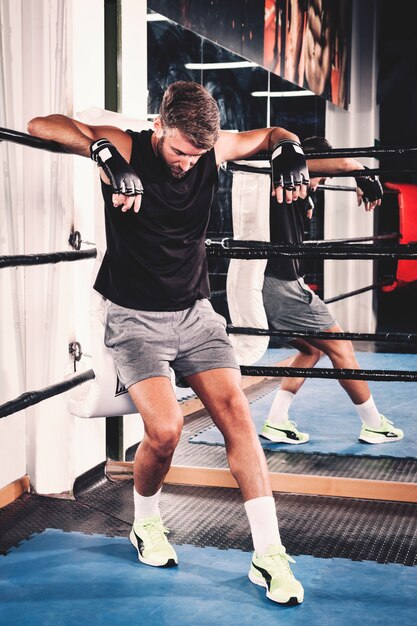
[[307, 349], [233, 401], [342, 350], [164, 438]]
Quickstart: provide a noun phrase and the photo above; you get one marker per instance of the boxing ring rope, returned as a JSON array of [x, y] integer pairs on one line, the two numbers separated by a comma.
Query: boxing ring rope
[[24, 139], [329, 373], [313, 334], [231, 249], [241, 249], [311, 484], [240, 167], [331, 153], [29, 398], [46, 258]]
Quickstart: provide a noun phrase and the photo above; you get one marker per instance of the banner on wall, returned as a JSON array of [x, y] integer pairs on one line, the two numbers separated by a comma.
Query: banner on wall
[[306, 42]]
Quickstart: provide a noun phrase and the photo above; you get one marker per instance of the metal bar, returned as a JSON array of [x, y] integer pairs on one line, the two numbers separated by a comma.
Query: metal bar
[[327, 373], [7, 134], [30, 398], [355, 239], [44, 258], [356, 292], [327, 187]]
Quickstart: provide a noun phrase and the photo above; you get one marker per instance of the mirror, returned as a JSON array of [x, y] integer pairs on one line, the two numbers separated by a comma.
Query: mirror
[[247, 95]]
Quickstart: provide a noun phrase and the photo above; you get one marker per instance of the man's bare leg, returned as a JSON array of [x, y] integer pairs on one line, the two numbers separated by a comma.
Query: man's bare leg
[[221, 393], [163, 421], [156, 402], [342, 356]]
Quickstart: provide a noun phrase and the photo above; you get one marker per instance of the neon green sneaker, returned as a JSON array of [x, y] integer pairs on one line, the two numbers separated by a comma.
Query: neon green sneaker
[[286, 432], [386, 433], [272, 571], [148, 535]]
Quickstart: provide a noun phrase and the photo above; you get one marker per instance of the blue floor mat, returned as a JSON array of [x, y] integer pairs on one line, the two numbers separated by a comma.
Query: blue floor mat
[[71, 579], [325, 411]]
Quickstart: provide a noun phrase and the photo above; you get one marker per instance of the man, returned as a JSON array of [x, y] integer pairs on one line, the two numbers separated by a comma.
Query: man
[[158, 187], [291, 305]]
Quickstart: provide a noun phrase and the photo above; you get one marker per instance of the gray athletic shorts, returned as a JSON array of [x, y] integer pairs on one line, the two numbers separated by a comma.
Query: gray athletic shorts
[[147, 343], [292, 305]]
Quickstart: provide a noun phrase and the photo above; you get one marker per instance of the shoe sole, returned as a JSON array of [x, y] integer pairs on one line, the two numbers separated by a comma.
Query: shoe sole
[[384, 440], [292, 600], [276, 440], [169, 563]]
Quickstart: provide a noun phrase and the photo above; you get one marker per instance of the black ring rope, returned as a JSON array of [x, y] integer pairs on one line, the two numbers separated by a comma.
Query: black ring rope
[[15, 136], [322, 173], [29, 140], [44, 258], [320, 334], [327, 373], [30, 398], [372, 151], [242, 249], [33, 397], [361, 173]]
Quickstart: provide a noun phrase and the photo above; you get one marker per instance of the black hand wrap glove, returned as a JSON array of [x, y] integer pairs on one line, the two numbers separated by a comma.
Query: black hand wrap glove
[[122, 177], [371, 187], [288, 165]]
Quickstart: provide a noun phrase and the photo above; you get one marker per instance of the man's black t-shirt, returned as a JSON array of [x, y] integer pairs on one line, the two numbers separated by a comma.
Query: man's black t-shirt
[[155, 259], [288, 223]]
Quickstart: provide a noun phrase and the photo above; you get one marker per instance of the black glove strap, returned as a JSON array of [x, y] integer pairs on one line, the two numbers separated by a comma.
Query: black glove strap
[[123, 178]]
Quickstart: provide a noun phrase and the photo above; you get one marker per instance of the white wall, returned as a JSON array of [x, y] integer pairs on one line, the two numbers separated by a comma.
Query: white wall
[[12, 336], [343, 218], [134, 103], [53, 52]]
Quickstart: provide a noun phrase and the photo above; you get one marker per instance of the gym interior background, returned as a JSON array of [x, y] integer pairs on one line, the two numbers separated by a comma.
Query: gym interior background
[[67, 56]]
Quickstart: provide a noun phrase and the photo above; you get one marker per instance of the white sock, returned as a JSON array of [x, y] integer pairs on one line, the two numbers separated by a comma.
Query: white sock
[[146, 506], [278, 412], [263, 523], [369, 414]]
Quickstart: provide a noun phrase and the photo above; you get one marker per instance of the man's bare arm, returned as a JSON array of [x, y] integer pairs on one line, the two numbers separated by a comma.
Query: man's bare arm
[[290, 175], [369, 190], [109, 146]]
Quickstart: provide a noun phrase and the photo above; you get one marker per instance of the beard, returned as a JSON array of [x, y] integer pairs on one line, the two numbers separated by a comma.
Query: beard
[[175, 172]]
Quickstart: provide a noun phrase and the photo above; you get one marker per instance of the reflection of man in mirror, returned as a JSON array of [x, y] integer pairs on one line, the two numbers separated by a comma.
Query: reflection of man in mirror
[[290, 304]]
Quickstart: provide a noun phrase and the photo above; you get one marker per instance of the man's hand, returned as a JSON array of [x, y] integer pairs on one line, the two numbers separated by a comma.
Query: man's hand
[[369, 191], [126, 184], [289, 171]]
